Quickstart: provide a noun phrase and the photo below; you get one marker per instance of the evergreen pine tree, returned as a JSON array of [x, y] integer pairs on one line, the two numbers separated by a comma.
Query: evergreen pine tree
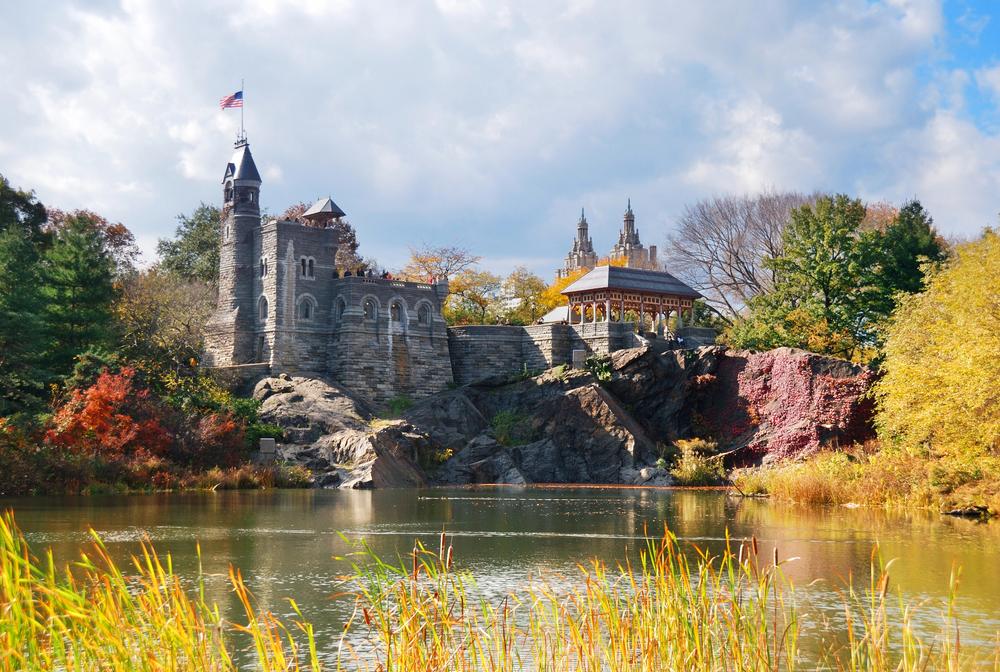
[[78, 289], [21, 342]]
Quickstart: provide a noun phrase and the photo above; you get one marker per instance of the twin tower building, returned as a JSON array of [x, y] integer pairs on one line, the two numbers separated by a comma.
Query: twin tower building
[[628, 251], [285, 307]]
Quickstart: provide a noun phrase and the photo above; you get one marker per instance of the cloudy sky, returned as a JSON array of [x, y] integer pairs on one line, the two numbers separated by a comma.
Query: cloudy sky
[[490, 124]]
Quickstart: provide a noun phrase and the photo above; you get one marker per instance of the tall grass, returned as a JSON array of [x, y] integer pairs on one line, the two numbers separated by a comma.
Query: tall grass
[[675, 609], [890, 478], [91, 615]]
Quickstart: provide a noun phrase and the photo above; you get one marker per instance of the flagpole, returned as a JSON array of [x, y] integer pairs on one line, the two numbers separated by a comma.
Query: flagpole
[[243, 133]]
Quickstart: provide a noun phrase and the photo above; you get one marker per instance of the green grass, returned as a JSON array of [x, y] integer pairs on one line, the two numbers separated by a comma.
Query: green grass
[[398, 405], [676, 608], [511, 428]]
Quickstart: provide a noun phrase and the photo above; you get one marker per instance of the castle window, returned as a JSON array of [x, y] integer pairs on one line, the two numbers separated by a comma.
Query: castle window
[[395, 313], [306, 309], [263, 267], [312, 269], [424, 314], [263, 308], [307, 267], [302, 261], [371, 309], [341, 307]]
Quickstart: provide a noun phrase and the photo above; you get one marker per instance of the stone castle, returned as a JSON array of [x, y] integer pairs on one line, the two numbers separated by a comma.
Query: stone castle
[[285, 307], [628, 251]]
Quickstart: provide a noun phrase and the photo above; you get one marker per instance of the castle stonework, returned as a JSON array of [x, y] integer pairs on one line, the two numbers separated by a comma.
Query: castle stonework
[[285, 307]]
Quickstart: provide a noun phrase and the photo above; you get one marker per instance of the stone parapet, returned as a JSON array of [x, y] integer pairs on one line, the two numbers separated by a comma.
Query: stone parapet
[[482, 351]]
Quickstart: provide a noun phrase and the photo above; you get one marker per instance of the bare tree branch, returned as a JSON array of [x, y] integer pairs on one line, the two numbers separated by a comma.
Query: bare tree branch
[[720, 244]]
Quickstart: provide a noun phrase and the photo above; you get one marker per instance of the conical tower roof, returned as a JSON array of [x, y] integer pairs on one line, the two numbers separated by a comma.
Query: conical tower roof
[[241, 166]]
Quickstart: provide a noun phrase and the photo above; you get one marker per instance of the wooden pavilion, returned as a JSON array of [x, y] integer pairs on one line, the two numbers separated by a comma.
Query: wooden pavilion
[[608, 293]]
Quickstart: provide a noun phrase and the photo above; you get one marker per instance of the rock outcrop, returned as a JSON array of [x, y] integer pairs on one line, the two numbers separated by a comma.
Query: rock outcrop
[[759, 406], [568, 427], [335, 435]]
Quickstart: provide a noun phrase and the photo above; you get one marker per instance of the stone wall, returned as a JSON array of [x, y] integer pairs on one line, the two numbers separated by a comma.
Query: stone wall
[[398, 347], [479, 352]]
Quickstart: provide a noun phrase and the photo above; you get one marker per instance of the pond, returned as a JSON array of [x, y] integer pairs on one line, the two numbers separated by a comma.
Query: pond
[[286, 541]]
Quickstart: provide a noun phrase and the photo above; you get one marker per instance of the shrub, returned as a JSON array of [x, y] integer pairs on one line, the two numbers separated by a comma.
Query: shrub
[[113, 418], [698, 464], [600, 367], [511, 428]]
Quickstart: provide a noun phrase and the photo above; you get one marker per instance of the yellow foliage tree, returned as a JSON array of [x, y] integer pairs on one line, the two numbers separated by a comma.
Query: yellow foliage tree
[[942, 359], [552, 296]]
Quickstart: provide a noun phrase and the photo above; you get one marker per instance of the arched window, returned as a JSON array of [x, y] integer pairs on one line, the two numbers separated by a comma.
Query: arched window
[[229, 191], [263, 308], [263, 267], [303, 263], [312, 268], [306, 309], [371, 309], [396, 312], [424, 314]]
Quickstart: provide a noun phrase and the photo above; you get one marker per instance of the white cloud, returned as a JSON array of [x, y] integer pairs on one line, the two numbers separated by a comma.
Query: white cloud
[[988, 80], [489, 123]]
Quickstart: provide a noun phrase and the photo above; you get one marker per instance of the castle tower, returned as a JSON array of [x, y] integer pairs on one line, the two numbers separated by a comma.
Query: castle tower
[[582, 254], [230, 332], [630, 248]]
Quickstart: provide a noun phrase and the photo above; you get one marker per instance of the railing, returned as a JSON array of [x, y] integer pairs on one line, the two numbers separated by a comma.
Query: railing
[[386, 281]]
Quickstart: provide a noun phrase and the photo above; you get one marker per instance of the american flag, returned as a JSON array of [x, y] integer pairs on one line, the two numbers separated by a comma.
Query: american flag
[[232, 100]]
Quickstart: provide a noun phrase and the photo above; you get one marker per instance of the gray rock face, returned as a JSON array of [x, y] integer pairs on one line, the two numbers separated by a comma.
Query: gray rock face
[[331, 433], [565, 427]]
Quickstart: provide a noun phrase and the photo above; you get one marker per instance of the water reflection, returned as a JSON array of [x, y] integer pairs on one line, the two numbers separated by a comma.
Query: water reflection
[[285, 541]]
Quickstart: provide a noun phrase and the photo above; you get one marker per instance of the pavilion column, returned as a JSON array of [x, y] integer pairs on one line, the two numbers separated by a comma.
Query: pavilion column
[[607, 310], [642, 315], [593, 307], [621, 312], [572, 307], [680, 318]]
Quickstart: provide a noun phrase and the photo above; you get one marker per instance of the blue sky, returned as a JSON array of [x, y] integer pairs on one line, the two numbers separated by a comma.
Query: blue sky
[[490, 124]]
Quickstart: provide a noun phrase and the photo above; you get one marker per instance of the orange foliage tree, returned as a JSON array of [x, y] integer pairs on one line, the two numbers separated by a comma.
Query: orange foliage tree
[[114, 418]]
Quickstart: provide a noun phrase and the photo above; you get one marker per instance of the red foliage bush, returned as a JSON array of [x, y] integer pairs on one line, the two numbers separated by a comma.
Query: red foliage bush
[[113, 419], [220, 441]]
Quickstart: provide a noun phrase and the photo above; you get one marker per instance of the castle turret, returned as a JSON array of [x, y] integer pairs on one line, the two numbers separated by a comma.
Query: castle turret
[[230, 340]]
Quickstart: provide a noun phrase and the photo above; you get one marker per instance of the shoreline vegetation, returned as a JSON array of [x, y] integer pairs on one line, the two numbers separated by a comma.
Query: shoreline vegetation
[[881, 479], [674, 607]]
